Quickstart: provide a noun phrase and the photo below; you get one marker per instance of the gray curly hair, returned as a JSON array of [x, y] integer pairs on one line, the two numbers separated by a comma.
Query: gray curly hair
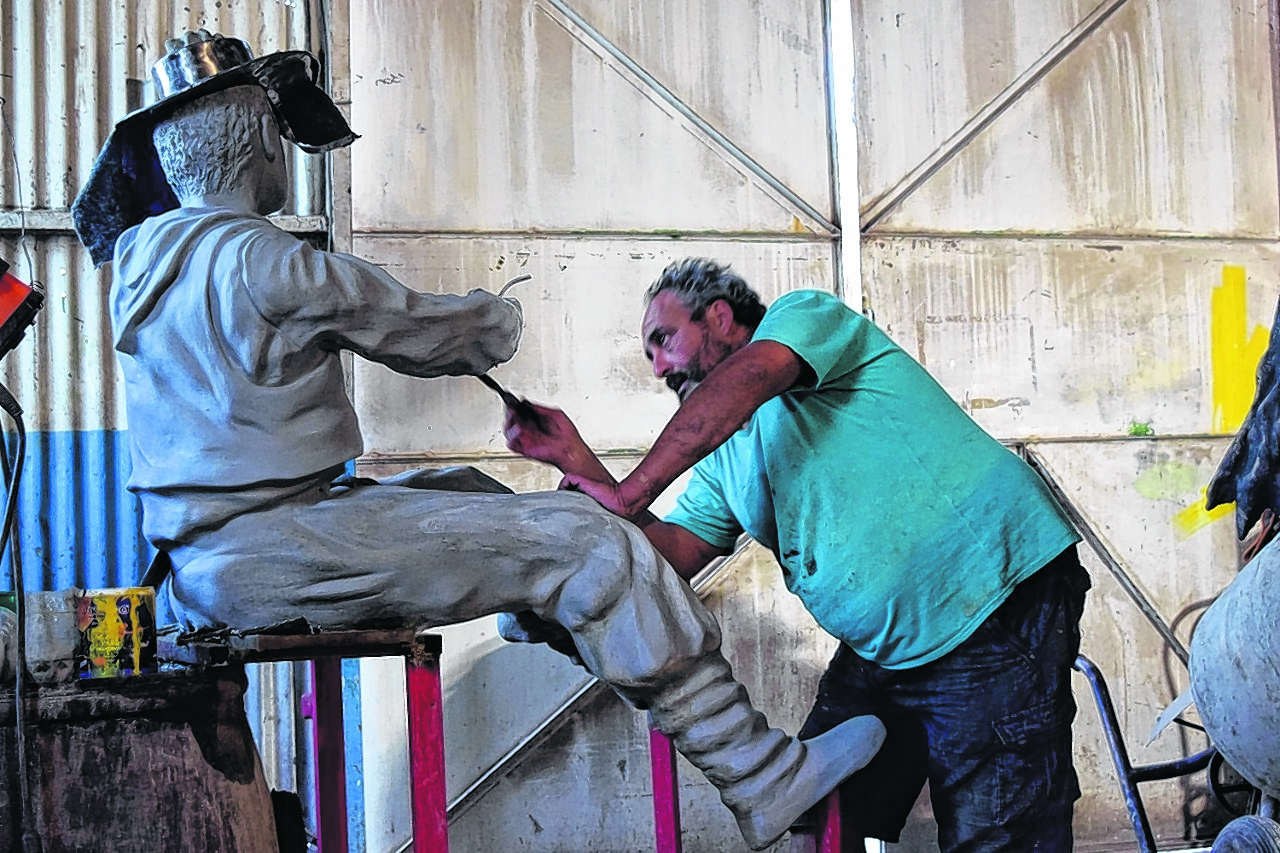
[[207, 144], [698, 282]]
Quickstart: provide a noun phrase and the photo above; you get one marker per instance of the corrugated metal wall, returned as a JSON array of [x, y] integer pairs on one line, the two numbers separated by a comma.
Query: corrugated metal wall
[[68, 71]]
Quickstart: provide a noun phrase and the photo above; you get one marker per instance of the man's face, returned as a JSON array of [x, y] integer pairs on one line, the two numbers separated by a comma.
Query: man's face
[[683, 350]]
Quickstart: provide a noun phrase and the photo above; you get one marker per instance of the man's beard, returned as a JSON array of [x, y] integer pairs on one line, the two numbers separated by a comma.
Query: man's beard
[[686, 389], [685, 382]]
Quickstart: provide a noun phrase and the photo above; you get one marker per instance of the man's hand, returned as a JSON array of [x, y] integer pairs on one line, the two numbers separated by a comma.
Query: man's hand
[[549, 436]]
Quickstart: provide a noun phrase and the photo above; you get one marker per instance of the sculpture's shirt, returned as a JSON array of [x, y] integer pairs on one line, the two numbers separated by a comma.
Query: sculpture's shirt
[[229, 333], [897, 520]]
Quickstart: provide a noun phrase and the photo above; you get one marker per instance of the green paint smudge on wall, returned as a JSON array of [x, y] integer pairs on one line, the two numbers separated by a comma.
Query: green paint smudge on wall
[[1167, 481], [1141, 428]]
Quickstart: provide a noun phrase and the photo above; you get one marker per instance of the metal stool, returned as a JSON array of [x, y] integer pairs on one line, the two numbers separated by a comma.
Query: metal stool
[[326, 651], [666, 802], [1128, 775]]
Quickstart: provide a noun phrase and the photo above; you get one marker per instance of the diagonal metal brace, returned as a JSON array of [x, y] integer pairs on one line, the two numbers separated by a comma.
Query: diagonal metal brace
[[1113, 565]]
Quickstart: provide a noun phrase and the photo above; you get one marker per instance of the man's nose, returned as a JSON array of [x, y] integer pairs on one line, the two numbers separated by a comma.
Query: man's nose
[[661, 365]]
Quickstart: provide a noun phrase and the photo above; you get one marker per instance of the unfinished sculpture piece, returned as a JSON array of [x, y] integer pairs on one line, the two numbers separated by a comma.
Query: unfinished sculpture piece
[[1249, 473], [229, 333], [1233, 671]]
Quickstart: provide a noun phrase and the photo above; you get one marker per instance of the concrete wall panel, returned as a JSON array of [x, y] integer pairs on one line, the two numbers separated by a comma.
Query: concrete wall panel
[[746, 66], [504, 116], [1159, 122], [923, 68], [1063, 337], [581, 347]]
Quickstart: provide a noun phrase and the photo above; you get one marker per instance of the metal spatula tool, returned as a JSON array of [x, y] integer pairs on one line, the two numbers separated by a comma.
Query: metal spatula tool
[[522, 407]]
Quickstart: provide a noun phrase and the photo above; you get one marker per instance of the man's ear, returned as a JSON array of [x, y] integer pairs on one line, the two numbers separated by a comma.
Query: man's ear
[[719, 315]]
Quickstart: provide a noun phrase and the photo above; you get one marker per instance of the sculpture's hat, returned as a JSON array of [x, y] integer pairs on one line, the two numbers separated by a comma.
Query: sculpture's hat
[[127, 184]]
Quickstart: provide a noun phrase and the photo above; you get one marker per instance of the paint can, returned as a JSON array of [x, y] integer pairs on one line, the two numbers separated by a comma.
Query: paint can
[[116, 632]]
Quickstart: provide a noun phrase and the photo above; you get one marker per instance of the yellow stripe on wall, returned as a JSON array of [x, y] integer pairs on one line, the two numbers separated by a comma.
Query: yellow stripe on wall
[[1235, 351], [1234, 360]]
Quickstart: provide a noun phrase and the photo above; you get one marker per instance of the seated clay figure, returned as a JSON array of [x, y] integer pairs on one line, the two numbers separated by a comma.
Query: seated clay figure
[[230, 334]]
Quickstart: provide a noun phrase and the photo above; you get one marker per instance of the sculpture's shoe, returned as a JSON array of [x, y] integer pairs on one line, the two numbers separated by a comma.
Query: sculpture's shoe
[[828, 760], [767, 778]]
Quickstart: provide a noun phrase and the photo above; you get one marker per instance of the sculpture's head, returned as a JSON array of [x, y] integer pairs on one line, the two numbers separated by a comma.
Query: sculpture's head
[[203, 83], [224, 146]]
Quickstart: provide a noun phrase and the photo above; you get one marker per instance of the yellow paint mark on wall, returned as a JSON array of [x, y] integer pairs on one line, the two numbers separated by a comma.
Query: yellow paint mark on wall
[[1196, 517], [1236, 351]]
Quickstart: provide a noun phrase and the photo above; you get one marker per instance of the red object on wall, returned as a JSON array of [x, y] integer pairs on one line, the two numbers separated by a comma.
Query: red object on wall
[[18, 306]]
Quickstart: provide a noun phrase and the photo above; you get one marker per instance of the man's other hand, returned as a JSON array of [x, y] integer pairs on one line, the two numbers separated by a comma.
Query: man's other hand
[[605, 492]]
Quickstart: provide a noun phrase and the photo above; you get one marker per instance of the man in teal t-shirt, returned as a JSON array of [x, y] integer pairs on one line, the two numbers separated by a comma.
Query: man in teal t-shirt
[[935, 555]]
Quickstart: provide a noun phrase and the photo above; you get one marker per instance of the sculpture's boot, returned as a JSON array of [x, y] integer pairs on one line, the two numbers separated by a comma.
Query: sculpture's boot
[[766, 778]]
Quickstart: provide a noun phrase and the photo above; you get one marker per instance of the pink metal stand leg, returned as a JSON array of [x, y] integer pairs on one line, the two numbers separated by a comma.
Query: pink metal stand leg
[[426, 752], [331, 770], [829, 824], [666, 793]]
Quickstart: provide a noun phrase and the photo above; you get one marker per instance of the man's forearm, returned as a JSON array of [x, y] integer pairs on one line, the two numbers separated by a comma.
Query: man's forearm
[[714, 411], [583, 462]]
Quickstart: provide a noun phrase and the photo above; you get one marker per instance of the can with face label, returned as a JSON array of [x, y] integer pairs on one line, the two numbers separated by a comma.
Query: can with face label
[[117, 632]]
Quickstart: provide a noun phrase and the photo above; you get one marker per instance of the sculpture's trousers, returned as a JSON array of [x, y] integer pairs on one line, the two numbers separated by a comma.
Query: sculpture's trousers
[[362, 556], [383, 553]]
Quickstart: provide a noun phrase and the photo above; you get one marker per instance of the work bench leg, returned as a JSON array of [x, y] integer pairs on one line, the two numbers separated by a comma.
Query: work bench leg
[[331, 758], [825, 835], [666, 793], [426, 753], [829, 824]]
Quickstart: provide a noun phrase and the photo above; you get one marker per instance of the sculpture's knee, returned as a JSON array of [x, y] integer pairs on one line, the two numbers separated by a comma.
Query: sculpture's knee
[[614, 553]]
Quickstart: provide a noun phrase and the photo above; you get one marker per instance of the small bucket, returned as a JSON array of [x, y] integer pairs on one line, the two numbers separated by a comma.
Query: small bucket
[[116, 632]]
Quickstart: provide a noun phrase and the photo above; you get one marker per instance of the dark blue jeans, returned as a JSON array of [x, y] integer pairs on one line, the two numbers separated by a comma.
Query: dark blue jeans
[[989, 726]]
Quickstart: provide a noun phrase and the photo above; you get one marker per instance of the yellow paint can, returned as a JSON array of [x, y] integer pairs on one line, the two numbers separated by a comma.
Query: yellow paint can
[[117, 632]]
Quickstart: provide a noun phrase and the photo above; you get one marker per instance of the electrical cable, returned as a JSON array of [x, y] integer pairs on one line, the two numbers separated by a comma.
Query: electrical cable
[[30, 837]]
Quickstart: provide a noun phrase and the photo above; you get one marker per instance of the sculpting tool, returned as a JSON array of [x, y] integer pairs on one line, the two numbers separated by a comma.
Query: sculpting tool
[[522, 408]]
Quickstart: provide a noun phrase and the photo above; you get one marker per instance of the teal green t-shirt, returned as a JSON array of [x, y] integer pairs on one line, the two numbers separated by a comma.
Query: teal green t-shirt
[[896, 519]]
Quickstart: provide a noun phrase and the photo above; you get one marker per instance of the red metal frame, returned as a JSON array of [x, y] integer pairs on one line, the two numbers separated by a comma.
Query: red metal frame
[[425, 707], [666, 802], [829, 824], [666, 793], [331, 757], [426, 752]]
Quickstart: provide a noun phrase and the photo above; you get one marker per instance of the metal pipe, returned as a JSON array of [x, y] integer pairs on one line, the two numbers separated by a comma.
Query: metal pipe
[[1130, 776], [1117, 571], [672, 100]]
